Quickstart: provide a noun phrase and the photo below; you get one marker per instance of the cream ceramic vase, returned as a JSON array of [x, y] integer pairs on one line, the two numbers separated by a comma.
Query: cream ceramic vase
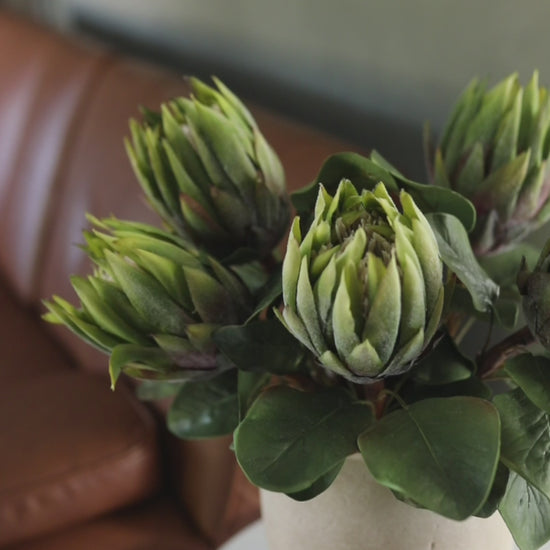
[[356, 513]]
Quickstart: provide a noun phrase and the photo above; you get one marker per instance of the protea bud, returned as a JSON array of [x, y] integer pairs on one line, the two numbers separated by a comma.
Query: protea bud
[[535, 288], [363, 288], [209, 172], [152, 302], [494, 151]]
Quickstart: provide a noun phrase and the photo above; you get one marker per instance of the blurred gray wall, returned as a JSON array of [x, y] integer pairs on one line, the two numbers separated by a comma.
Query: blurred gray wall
[[372, 71]]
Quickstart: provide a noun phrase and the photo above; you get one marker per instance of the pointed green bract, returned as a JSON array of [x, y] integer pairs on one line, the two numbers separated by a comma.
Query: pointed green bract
[[494, 152], [153, 302], [305, 304]]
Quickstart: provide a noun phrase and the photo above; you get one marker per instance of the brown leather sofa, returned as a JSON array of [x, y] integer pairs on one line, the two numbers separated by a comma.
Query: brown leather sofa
[[81, 466]]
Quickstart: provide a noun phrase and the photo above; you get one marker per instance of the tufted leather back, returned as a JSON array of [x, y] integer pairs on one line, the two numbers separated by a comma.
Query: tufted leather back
[[64, 109]]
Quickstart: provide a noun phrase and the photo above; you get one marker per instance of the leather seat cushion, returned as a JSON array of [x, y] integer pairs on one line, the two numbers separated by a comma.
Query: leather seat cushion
[[76, 450], [153, 525]]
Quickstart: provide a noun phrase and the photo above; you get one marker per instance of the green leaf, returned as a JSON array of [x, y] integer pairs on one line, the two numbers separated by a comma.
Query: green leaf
[[212, 301], [269, 163], [250, 384], [186, 185], [153, 390], [432, 198], [501, 188], [205, 408], [168, 273], [525, 438], [269, 293], [497, 493], [505, 310], [366, 173], [506, 137], [110, 294], [176, 137], [235, 102], [455, 131], [147, 296], [290, 438], [457, 254], [526, 512], [444, 365], [472, 172], [503, 269], [166, 188], [264, 346], [441, 453], [363, 173], [62, 312], [413, 391], [318, 486], [483, 126], [222, 139], [151, 359], [252, 273], [532, 375]]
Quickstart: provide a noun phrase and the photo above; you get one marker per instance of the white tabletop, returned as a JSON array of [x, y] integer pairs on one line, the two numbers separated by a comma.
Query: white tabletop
[[252, 537]]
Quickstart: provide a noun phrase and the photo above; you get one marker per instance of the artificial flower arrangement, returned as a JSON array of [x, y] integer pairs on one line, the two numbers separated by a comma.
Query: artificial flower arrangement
[[350, 341]]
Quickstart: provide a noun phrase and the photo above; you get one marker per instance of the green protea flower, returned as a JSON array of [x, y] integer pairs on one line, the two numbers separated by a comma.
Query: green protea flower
[[209, 172], [535, 289], [152, 302], [494, 151], [363, 288]]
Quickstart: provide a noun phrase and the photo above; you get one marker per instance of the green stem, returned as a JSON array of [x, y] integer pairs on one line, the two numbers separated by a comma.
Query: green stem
[[466, 326]]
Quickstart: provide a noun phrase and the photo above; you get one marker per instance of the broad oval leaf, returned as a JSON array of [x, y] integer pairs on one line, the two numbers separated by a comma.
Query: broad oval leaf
[[432, 198], [532, 375], [366, 173], [361, 171], [444, 365], [526, 512], [205, 408], [290, 438], [441, 453], [490, 506], [318, 486], [260, 345], [505, 310], [271, 291], [457, 255], [250, 384], [414, 392], [152, 390], [503, 268], [525, 438]]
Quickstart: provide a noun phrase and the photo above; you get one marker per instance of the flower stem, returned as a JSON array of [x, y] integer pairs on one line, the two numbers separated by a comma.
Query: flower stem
[[375, 393], [494, 358]]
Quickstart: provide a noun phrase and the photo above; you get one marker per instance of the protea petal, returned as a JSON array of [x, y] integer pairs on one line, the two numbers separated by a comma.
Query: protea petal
[[305, 303], [384, 316]]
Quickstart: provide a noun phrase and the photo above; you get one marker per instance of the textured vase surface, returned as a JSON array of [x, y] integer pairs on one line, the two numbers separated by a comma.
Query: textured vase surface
[[358, 513]]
